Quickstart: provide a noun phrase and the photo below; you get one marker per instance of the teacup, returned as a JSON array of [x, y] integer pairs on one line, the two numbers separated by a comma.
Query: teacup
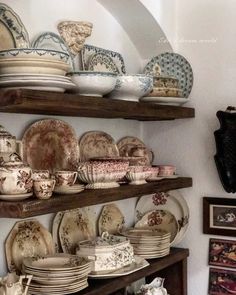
[[166, 170], [40, 174], [65, 178], [43, 188]]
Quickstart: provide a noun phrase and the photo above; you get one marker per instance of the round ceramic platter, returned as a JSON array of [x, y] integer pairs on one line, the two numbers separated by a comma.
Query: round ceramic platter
[[51, 145], [138, 264], [165, 100], [13, 198], [175, 65], [27, 238], [97, 144], [13, 32], [76, 226], [127, 143], [69, 190], [111, 219], [162, 219], [50, 40], [172, 201], [100, 62]]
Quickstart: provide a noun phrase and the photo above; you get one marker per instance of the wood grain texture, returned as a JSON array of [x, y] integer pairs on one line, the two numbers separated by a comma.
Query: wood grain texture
[[53, 103]]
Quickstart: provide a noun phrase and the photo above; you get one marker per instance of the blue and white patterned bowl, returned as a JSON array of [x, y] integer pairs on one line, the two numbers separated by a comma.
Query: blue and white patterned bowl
[[34, 53], [132, 87]]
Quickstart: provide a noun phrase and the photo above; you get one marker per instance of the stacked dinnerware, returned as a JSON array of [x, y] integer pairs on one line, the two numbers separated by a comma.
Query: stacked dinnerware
[[148, 243], [57, 274]]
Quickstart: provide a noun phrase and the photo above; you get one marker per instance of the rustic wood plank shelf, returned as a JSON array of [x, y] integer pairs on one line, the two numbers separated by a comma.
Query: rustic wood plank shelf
[[176, 259], [33, 207], [53, 103]]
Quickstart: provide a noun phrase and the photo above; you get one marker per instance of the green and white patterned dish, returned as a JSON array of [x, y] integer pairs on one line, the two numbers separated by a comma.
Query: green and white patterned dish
[[100, 62], [13, 32], [175, 65]]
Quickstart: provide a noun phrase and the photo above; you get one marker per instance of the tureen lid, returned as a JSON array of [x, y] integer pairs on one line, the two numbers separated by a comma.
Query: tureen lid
[[14, 161], [105, 240], [5, 134]]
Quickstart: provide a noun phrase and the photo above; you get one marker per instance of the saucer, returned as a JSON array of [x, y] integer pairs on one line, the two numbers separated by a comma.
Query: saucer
[[74, 189], [18, 197], [168, 176]]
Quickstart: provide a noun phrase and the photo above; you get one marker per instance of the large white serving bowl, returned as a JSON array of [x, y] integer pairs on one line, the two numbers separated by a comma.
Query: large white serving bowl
[[93, 83], [132, 87]]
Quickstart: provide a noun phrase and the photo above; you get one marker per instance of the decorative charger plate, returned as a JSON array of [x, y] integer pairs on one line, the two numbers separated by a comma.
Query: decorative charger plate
[[13, 32], [90, 50], [172, 201], [27, 239], [51, 145], [97, 144], [100, 62], [175, 65], [76, 226]]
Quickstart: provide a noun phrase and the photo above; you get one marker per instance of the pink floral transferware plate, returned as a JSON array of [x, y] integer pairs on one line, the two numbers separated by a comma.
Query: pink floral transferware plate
[[97, 144], [51, 145]]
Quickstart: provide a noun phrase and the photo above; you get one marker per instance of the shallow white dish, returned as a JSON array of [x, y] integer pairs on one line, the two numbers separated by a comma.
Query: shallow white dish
[[76, 188], [165, 100], [13, 198]]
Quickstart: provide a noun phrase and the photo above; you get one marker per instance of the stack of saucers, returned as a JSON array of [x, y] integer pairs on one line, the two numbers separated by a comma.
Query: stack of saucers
[[58, 274], [148, 243]]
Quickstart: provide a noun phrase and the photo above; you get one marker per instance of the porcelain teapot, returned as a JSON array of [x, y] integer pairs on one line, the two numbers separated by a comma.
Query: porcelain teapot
[[12, 284], [154, 288], [8, 144]]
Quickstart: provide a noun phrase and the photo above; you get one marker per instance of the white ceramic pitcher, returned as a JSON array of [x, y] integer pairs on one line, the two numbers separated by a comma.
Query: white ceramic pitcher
[[12, 284]]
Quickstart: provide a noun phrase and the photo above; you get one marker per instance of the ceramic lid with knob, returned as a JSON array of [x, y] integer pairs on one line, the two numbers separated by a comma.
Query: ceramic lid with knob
[[7, 141]]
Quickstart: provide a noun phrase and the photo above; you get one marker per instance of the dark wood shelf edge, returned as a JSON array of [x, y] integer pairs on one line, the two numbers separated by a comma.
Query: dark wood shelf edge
[[34, 207], [111, 285], [64, 104]]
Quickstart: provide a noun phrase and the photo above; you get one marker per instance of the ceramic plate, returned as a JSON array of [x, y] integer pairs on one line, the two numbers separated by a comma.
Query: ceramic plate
[[69, 190], [77, 225], [60, 291], [175, 65], [27, 239], [111, 219], [13, 198], [138, 264], [97, 144], [51, 145], [13, 32], [90, 50], [127, 143], [50, 40], [172, 201], [165, 100], [55, 231], [100, 62]]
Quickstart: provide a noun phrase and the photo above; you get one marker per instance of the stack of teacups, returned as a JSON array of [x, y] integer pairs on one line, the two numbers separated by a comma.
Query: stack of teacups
[[43, 184]]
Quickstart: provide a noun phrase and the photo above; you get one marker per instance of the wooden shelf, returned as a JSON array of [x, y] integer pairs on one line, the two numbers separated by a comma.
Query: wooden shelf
[[109, 286], [53, 103], [33, 207]]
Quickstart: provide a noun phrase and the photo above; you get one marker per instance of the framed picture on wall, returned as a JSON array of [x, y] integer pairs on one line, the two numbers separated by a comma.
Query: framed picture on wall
[[222, 282], [219, 216], [222, 253]]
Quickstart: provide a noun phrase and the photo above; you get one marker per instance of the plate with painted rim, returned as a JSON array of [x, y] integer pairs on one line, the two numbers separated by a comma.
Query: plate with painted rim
[[13, 32], [77, 225], [89, 50], [51, 40], [13, 198], [52, 145], [27, 238], [175, 65], [100, 62], [97, 144], [173, 201]]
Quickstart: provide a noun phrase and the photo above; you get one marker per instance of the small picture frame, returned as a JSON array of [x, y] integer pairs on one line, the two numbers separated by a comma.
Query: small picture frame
[[222, 282], [222, 253], [219, 216]]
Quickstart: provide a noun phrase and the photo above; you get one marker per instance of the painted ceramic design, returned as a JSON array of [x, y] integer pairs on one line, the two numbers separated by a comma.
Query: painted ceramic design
[[76, 225], [13, 284], [89, 50], [165, 82], [111, 220], [174, 65], [65, 178], [171, 201], [13, 32], [55, 231], [154, 288], [27, 239], [8, 144], [51, 145], [43, 188], [40, 174], [100, 62], [50, 40], [97, 144], [165, 92]]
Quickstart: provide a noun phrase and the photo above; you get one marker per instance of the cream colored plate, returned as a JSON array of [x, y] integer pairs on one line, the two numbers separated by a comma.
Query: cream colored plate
[[97, 144], [69, 190], [27, 239], [76, 225], [13, 198], [55, 231], [111, 219]]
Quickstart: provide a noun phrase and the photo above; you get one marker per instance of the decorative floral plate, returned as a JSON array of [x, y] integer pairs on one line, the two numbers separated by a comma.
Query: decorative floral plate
[[13, 32], [174, 65], [51, 145], [97, 144], [100, 62], [27, 239], [172, 201]]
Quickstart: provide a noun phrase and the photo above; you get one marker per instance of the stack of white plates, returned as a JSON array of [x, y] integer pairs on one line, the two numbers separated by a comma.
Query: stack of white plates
[[148, 243], [57, 274]]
